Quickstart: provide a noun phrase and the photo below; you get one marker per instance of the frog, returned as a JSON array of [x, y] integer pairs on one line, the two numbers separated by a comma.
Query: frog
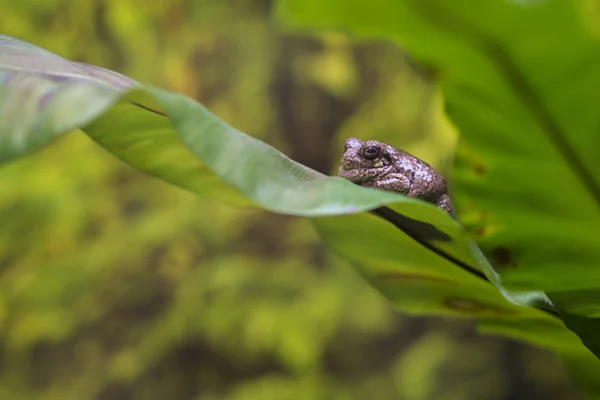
[[381, 166]]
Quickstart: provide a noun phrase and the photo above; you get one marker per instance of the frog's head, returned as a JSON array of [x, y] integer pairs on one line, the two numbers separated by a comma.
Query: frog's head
[[364, 161]]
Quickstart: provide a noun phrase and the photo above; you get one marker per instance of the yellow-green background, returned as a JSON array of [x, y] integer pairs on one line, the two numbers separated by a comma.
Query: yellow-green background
[[114, 285]]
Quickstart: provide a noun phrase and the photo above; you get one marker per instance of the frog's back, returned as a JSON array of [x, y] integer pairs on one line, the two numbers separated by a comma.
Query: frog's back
[[427, 183]]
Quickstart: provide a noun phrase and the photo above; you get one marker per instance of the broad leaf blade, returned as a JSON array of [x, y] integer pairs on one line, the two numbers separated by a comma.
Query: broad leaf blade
[[146, 140]]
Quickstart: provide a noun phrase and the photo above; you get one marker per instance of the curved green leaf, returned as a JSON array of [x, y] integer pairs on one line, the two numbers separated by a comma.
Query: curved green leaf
[[428, 267]]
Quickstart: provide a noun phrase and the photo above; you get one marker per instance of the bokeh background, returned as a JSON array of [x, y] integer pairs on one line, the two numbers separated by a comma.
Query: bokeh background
[[117, 286]]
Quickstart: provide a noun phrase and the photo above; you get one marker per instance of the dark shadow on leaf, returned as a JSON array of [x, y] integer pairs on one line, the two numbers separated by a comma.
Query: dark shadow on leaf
[[424, 230], [425, 234], [586, 328]]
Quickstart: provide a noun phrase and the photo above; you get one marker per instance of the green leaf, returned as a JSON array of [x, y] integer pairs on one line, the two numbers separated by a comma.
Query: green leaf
[[428, 266], [521, 83]]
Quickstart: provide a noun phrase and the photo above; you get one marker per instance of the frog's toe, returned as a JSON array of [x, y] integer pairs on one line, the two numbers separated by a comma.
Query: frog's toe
[[446, 204]]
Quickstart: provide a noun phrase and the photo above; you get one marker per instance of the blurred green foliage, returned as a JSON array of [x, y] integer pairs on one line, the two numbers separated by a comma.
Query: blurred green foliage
[[118, 286]]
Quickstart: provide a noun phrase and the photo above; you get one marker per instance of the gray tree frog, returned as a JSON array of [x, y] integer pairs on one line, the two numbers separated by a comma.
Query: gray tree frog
[[379, 165]]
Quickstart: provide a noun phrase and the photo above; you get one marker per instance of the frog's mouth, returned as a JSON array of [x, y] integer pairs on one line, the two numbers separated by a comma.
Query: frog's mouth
[[361, 174]]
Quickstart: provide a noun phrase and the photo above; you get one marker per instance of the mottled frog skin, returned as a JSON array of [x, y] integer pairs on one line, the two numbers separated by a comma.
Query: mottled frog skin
[[379, 165]]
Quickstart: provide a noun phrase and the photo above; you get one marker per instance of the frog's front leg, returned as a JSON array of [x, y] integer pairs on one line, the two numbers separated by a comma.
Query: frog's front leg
[[446, 204], [393, 182]]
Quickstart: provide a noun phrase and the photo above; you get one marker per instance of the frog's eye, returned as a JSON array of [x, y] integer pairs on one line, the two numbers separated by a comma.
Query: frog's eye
[[371, 152]]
